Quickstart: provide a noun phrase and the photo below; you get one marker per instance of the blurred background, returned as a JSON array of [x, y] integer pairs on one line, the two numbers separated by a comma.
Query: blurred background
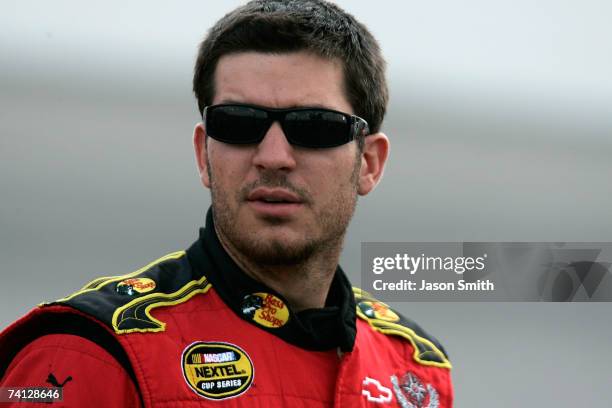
[[501, 127]]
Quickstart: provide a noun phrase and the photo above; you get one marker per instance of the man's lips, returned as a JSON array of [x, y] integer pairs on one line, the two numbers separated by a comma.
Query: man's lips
[[274, 202], [274, 195]]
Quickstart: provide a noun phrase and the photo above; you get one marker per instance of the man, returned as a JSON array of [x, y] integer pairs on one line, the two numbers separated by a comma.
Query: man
[[257, 311]]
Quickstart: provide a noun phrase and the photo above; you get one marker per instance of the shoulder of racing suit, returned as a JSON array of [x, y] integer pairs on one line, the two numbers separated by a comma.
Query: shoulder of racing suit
[[382, 318], [123, 303]]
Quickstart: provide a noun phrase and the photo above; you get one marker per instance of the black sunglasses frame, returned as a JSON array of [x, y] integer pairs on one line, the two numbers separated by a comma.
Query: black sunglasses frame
[[355, 126]]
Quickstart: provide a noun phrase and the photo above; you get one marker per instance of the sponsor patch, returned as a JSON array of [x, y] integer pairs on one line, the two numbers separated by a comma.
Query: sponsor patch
[[133, 286], [378, 310], [265, 309], [216, 370], [412, 393]]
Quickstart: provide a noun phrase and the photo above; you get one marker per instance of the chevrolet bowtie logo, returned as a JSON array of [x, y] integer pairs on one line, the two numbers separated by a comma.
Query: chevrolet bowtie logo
[[374, 391]]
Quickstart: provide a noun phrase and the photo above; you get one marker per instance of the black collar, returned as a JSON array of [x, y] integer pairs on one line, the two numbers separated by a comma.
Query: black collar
[[314, 329]]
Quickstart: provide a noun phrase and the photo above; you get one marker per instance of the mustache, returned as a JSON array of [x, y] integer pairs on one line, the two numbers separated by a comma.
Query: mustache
[[274, 180]]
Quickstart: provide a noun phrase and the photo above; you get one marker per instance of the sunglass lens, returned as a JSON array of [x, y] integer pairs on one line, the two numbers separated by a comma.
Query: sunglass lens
[[317, 128], [237, 124]]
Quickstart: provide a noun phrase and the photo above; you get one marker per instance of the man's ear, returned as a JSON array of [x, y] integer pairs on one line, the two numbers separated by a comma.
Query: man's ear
[[199, 145], [373, 159]]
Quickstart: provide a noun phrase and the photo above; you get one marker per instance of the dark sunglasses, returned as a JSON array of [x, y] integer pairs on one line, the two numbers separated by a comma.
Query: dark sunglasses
[[306, 127]]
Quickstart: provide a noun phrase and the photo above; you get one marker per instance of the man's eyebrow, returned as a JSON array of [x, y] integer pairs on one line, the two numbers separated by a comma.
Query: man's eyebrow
[[229, 102], [311, 105], [301, 106]]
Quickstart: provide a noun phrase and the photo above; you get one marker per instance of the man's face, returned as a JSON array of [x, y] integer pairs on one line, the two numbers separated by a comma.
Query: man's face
[[273, 202]]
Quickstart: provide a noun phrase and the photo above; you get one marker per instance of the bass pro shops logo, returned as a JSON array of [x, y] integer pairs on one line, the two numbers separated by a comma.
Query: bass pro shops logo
[[217, 370], [265, 309], [378, 310], [134, 286]]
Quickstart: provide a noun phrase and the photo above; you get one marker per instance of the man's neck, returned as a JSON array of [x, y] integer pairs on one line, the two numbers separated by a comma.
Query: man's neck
[[304, 286]]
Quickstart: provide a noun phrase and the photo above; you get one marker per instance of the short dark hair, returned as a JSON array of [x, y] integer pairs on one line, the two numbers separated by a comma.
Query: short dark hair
[[279, 26]]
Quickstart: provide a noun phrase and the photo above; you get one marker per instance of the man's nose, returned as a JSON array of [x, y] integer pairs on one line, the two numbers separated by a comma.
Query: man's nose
[[274, 151]]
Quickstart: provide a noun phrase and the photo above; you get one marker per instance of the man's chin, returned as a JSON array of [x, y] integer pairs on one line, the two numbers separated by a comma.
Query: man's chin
[[276, 227], [276, 251]]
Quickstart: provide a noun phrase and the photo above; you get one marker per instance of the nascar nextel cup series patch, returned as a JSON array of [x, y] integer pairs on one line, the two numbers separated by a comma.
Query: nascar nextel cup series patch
[[217, 370]]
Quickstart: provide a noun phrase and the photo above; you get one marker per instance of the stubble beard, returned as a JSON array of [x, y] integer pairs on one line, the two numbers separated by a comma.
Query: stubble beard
[[332, 222]]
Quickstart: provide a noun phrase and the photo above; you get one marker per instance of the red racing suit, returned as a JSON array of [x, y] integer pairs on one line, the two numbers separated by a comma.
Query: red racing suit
[[192, 330]]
